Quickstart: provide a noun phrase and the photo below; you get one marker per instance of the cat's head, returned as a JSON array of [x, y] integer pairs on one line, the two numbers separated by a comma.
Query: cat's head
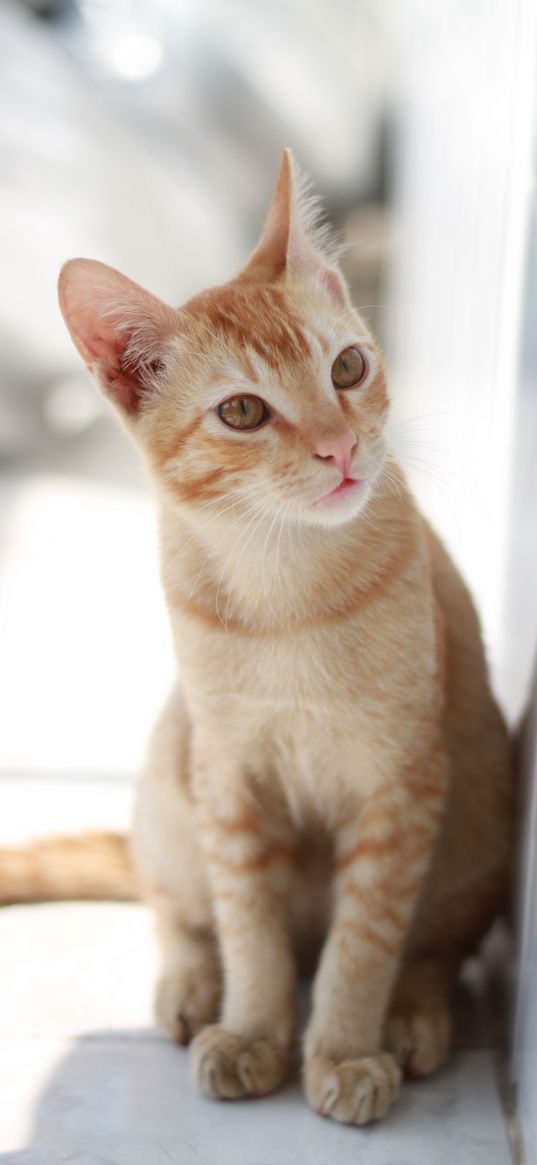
[[268, 390]]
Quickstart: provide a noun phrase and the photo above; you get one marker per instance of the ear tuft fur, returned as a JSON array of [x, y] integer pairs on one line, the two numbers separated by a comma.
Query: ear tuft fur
[[309, 212], [121, 331], [295, 243]]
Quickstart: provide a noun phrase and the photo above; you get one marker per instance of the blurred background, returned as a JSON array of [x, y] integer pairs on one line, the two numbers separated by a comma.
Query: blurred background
[[148, 134]]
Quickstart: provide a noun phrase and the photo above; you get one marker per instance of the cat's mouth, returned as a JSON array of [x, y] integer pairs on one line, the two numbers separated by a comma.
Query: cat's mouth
[[350, 486]]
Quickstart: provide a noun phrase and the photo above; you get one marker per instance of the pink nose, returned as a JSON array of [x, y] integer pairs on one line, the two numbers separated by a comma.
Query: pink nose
[[338, 449]]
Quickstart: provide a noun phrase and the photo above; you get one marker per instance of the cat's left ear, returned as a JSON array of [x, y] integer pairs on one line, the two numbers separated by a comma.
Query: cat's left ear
[[291, 243]]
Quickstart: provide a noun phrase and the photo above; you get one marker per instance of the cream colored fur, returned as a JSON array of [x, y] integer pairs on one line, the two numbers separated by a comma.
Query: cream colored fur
[[330, 780]]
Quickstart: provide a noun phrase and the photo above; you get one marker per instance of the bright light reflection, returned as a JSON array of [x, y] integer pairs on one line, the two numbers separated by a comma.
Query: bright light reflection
[[135, 55]]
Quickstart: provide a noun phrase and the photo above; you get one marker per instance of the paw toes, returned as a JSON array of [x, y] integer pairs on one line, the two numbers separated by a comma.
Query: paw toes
[[183, 1006], [215, 1066], [420, 1041], [262, 1066], [228, 1067], [352, 1091]]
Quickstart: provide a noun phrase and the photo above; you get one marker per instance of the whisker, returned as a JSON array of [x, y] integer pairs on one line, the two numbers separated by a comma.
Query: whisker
[[242, 533], [246, 491], [239, 520], [451, 480], [263, 512]]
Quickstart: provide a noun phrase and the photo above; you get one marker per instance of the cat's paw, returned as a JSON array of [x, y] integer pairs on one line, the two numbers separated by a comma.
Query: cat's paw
[[186, 1002], [228, 1067], [419, 1039], [354, 1092]]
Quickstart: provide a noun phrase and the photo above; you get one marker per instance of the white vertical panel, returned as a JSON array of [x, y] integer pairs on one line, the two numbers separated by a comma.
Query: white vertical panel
[[464, 359], [525, 1041], [463, 177], [520, 658]]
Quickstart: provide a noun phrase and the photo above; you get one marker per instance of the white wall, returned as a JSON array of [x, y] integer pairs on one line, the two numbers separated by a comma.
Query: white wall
[[464, 106], [525, 1028], [520, 659], [464, 361]]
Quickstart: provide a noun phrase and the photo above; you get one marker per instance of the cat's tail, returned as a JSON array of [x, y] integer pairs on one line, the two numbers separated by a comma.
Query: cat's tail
[[87, 866]]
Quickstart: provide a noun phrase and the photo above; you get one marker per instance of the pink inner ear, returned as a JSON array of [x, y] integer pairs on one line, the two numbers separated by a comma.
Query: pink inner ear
[[104, 355], [334, 284], [105, 312]]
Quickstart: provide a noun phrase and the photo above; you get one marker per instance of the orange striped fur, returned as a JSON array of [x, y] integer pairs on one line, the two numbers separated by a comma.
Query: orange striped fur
[[330, 779]]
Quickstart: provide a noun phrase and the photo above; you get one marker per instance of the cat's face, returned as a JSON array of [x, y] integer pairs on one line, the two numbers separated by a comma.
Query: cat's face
[[264, 394], [278, 398]]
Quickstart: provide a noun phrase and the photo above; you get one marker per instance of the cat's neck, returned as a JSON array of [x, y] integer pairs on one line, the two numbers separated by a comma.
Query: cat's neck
[[254, 570]]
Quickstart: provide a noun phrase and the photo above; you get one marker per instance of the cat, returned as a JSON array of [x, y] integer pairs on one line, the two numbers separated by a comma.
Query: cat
[[329, 785]]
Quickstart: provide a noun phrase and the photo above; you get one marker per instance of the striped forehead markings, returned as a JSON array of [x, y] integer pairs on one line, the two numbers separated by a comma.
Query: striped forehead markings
[[254, 317]]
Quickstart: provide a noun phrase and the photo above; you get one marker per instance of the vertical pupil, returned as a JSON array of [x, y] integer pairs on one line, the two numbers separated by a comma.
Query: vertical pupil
[[244, 406]]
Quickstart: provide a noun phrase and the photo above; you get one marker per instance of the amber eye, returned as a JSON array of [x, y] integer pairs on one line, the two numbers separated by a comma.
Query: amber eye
[[349, 368], [243, 412]]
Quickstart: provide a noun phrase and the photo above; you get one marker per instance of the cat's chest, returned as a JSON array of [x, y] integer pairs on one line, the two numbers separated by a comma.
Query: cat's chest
[[340, 668], [325, 714], [320, 761], [278, 674]]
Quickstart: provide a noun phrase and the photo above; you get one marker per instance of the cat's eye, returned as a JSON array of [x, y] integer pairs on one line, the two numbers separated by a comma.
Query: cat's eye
[[243, 412], [349, 368]]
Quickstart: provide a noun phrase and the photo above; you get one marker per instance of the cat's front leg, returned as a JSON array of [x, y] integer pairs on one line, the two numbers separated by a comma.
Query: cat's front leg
[[381, 861], [248, 856]]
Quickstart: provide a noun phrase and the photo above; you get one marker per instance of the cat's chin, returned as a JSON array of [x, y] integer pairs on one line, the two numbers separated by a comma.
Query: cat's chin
[[339, 506]]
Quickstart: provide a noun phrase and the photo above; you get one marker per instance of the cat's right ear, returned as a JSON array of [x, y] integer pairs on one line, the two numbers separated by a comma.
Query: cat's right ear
[[121, 331]]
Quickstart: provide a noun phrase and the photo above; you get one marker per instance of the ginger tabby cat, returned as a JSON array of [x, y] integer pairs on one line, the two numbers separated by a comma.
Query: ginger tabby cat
[[329, 784]]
